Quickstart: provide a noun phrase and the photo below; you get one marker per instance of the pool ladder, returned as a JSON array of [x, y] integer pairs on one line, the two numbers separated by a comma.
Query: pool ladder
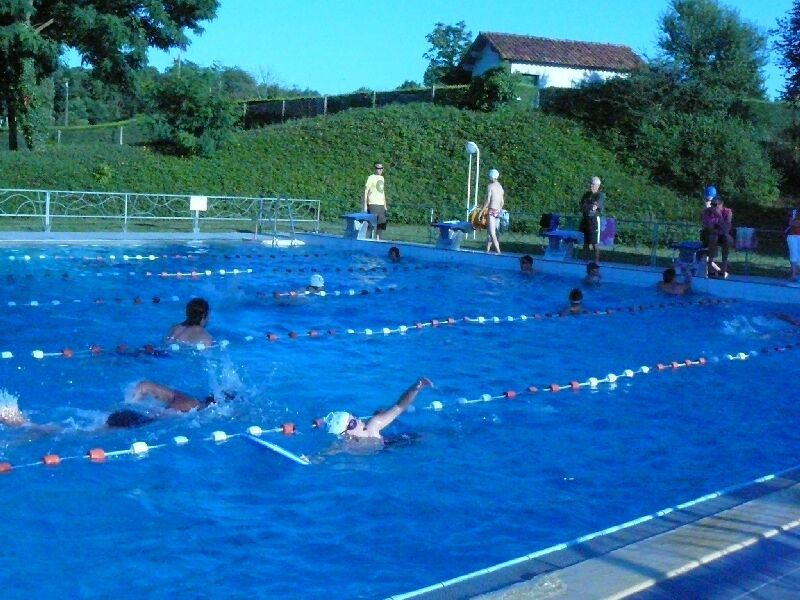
[[273, 208]]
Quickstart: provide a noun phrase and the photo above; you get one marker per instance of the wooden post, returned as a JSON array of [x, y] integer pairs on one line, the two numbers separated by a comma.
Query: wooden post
[[283, 111], [374, 95], [120, 135], [325, 106]]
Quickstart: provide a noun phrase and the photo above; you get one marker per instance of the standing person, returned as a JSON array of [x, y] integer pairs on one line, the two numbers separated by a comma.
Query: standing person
[[375, 200], [193, 329], [495, 200], [793, 241], [592, 204], [717, 222]]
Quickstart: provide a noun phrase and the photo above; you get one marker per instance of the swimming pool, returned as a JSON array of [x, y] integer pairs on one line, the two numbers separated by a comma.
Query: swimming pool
[[484, 481]]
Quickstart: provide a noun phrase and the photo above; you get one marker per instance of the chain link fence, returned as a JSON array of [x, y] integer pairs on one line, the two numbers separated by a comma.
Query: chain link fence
[[268, 112]]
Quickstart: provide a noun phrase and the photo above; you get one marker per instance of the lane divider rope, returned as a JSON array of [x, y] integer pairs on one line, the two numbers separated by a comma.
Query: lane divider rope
[[254, 432], [97, 349]]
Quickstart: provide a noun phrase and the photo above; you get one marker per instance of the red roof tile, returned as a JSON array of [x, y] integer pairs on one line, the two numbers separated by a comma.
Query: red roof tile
[[566, 53]]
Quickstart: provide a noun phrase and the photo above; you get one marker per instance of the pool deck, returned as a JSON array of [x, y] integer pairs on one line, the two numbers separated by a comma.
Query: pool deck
[[739, 544]]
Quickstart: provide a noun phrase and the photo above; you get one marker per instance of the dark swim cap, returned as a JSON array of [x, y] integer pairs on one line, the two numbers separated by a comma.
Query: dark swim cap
[[125, 419]]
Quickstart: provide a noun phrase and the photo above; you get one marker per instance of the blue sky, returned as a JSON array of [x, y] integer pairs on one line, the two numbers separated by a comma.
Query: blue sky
[[337, 46]]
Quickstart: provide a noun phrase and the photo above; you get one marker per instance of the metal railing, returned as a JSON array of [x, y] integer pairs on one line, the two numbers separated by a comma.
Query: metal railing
[[50, 210]]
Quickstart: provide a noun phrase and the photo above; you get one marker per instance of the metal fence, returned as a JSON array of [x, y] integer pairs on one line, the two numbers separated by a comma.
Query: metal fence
[[50, 210], [268, 112]]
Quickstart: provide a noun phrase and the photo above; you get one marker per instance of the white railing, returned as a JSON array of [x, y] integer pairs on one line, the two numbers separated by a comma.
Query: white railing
[[128, 209]]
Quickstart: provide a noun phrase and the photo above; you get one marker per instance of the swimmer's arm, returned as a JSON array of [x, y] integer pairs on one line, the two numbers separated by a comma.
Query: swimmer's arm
[[171, 398], [385, 418]]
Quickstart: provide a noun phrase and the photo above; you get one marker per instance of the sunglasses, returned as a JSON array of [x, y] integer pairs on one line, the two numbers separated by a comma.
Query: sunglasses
[[379, 168], [352, 424]]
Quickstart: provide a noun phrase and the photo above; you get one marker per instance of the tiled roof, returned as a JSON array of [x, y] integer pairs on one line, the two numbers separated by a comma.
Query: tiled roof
[[567, 53]]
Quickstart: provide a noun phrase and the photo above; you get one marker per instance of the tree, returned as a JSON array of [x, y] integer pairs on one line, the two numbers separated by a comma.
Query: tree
[[190, 113], [714, 56], [408, 84], [448, 43], [111, 35], [788, 46]]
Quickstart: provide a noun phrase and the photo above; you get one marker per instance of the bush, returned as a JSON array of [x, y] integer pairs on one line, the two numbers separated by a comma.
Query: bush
[[495, 88], [688, 151]]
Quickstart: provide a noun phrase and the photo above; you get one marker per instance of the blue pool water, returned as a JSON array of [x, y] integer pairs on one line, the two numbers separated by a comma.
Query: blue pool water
[[483, 482]]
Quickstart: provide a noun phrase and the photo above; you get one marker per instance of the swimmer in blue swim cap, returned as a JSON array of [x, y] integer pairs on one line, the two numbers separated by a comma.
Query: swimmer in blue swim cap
[[351, 427]]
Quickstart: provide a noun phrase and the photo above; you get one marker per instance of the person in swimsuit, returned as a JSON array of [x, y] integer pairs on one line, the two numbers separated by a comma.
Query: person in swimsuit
[[316, 284], [174, 400], [495, 199], [526, 264], [668, 284], [394, 254], [351, 428], [575, 302], [592, 274], [192, 331]]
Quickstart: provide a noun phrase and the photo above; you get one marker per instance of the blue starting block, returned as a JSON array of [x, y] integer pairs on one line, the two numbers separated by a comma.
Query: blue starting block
[[356, 225], [690, 255], [452, 233], [561, 243]]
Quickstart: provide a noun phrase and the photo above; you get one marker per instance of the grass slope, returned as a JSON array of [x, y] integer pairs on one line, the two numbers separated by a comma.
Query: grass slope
[[544, 163]]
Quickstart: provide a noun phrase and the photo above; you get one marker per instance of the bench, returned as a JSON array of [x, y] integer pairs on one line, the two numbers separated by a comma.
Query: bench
[[356, 225], [561, 243], [451, 233]]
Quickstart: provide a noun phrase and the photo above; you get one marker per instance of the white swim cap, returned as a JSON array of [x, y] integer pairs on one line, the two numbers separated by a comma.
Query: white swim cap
[[494, 174], [317, 281], [337, 422]]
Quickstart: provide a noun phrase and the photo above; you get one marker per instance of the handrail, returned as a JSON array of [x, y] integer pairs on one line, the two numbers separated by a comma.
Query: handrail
[[53, 206]]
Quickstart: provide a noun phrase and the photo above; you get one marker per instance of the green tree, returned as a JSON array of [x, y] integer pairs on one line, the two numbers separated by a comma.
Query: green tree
[[787, 45], [111, 35], [714, 56], [448, 43], [190, 113]]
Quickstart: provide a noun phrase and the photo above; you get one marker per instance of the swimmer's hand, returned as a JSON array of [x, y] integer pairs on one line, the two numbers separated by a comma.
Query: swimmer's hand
[[423, 382]]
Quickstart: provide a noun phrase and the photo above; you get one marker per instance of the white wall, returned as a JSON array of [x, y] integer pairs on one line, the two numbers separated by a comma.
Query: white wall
[[560, 77]]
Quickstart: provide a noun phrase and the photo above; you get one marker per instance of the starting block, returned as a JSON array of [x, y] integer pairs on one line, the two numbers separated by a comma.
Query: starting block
[[452, 233], [356, 225], [561, 243]]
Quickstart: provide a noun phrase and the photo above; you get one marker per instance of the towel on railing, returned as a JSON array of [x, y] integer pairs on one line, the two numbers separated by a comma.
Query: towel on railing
[[746, 238], [608, 230]]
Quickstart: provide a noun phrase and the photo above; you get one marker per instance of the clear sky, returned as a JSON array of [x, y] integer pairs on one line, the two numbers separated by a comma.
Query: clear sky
[[337, 46]]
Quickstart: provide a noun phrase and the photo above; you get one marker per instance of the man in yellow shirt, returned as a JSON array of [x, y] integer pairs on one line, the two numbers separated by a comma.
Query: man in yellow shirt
[[375, 199]]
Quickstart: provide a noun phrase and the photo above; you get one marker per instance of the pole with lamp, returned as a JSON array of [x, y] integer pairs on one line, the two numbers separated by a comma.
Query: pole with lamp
[[472, 148], [66, 103]]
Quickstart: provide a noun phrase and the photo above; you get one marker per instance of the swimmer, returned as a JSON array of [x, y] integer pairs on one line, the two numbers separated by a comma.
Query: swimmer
[[316, 284], [394, 254], [788, 318], [575, 302], [193, 330], [175, 400], [668, 285], [351, 428], [592, 274], [526, 264]]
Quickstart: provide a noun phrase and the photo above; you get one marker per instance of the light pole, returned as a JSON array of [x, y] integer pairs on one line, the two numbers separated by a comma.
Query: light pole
[[66, 103], [472, 148]]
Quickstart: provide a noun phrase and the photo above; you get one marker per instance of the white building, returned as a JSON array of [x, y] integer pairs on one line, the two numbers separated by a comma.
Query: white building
[[549, 63]]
